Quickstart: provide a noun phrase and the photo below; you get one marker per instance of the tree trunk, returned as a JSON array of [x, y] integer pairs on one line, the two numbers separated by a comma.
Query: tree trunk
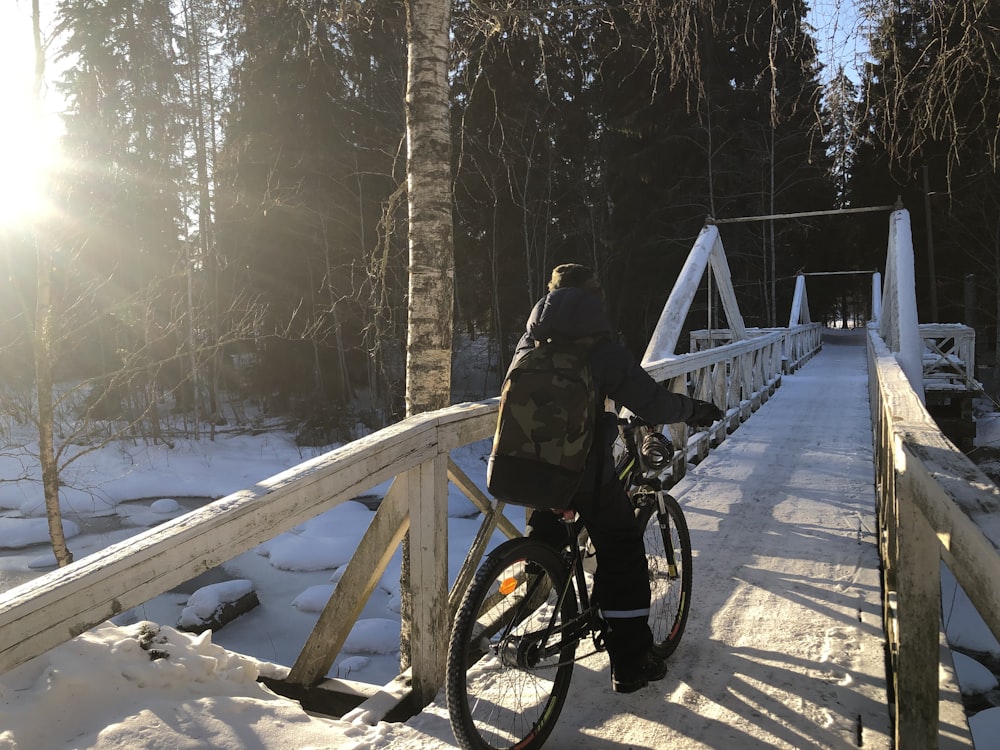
[[432, 265], [46, 411], [43, 347], [431, 238]]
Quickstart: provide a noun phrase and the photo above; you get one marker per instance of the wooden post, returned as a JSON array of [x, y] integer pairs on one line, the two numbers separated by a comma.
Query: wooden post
[[663, 342], [429, 576], [918, 624], [679, 434]]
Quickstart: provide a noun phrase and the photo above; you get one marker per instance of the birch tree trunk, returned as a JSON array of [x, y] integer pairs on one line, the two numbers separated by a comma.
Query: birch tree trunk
[[46, 412], [43, 344], [431, 237]]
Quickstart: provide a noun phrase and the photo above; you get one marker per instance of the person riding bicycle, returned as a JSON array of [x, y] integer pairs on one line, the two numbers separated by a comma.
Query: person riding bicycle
[[574, 308]]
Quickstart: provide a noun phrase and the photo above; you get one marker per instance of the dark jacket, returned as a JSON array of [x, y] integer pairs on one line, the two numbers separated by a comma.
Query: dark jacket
[[574, 312]]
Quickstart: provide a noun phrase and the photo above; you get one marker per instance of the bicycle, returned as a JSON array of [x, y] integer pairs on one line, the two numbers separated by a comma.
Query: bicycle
[[515, 636]]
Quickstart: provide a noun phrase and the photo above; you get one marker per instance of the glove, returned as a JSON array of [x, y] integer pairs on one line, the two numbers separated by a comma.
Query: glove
[[704, 414]]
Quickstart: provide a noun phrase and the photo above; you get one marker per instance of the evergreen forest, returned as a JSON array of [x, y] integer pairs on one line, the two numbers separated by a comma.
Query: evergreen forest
[[228, 226]]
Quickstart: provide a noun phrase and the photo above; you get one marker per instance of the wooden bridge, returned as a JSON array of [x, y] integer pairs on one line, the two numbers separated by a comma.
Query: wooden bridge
[[887, 684]]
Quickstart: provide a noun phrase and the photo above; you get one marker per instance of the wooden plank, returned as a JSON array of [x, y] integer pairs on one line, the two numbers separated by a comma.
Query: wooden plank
[[918, 595], [431, 623], [724, 284], [898, 328], [667, 368], [480, 500], [369, 562], [962, 506], [663, 342], [462, 424], [800, 303], [933, 503], [384, 702]]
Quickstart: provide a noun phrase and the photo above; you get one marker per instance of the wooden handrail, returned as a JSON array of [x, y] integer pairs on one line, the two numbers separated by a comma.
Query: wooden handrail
[[933, 504], [63, 603]]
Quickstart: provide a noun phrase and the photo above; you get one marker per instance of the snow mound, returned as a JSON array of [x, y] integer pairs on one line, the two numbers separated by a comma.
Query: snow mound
[[16, 533], [112, 687]]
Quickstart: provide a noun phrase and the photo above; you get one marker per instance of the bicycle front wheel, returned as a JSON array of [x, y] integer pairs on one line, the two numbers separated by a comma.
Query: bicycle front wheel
[[508, 675], [668, 555]]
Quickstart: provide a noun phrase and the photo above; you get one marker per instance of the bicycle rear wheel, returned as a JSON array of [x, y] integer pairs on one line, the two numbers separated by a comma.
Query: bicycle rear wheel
[[668, 555], [504, 689]]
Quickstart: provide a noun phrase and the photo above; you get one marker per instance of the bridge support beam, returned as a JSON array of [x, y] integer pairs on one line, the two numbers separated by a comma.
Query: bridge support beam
[[707, 250]]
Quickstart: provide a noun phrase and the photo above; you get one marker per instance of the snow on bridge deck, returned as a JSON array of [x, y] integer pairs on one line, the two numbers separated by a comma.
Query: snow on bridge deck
[[785, 646]]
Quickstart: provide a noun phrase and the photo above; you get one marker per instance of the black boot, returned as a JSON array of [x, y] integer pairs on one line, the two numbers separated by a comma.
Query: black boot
[[633, 664], [630, 676]]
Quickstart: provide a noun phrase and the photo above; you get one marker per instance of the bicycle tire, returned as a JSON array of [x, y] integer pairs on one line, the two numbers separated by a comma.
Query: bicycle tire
[[496, 698], [670, 585]]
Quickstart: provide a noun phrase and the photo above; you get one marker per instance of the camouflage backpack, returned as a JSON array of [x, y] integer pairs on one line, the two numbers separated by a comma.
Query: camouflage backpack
[[548, 411]]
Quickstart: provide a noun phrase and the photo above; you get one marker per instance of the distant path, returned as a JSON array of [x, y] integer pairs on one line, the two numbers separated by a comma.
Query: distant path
[[784, 648]]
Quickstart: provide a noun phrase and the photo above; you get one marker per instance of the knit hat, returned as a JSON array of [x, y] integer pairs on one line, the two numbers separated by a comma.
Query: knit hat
[[574, 275]]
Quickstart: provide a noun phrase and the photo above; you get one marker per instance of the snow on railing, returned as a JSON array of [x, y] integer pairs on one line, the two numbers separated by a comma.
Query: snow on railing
[[736, 377], [799, 344]]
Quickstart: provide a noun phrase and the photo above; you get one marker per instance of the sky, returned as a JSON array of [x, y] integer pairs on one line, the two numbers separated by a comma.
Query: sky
[[205, 694], [839, 36]]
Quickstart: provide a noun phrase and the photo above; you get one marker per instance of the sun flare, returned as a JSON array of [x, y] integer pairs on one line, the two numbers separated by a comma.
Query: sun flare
[[28, 132], [26, 157]]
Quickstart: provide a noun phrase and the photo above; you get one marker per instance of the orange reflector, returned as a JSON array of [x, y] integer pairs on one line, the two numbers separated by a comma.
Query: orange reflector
[[508, 585]]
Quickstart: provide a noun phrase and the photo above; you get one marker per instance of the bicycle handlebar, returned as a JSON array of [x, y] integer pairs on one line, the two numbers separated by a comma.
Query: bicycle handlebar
[[634, 421], [653, 449]]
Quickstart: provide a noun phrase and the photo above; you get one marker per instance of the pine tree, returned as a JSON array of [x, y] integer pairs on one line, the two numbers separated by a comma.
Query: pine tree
[[306, 165], [121, 198], [641, 118], [841, 130]]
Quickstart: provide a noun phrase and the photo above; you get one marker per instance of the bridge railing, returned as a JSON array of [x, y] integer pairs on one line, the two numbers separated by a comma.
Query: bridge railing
[[949, 357], [934, 505], [799, 343], [414, 453], [738, 376]]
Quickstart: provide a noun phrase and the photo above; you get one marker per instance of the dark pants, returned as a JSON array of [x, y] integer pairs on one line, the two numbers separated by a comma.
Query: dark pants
[[621, 583]]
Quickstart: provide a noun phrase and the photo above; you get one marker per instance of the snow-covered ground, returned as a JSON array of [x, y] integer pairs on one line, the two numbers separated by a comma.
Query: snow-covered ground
[[102, 690]]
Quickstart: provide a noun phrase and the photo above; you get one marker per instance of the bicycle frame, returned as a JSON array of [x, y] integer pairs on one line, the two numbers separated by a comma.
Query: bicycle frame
[[640, 499], [641, 485], [587, 620]]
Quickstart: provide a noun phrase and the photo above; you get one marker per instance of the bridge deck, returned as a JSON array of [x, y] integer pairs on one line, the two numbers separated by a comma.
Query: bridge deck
[[787, 649], [785, 646]]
